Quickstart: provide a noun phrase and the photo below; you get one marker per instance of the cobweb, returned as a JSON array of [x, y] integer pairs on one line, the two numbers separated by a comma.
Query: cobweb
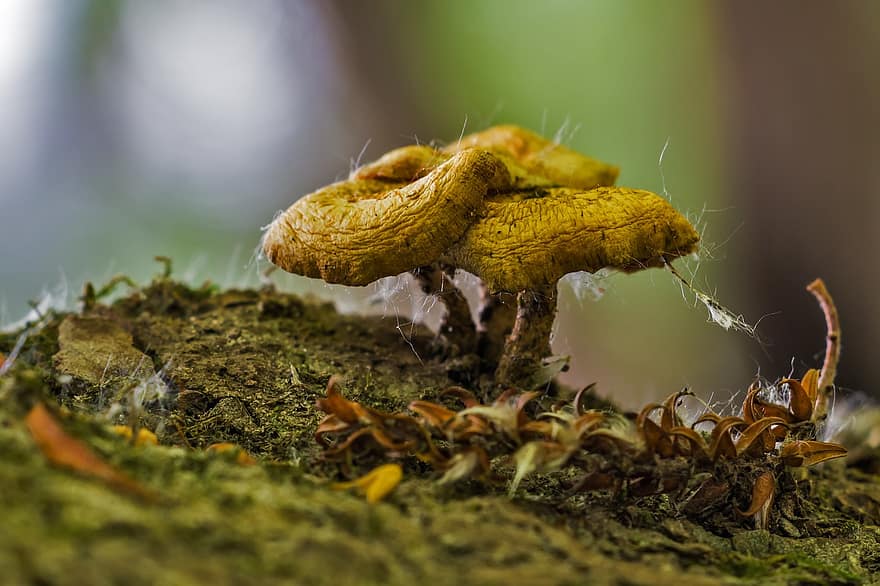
[[587, 286]]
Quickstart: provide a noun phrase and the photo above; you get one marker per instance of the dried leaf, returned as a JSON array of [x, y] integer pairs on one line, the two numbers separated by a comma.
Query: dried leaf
[[802, 400], [755, 432], [376, 484], [648, 485], [762, 500], [645, 413], [810, 382], [549, 428], [774, 410], [596, 481], [466, 464], [698, 446], [464, 427], [707, 417], [434, 415], [708, 494], [336, 404], [537, 456], [65, 451], [380, 437], [506, 412], [613, 441], [578, 409], [722, 444], [809, 452], [656, 440], [503, 416], [464, 395], [670, 418], [587, 421], [750, 409], [330, 424], [520, 402]]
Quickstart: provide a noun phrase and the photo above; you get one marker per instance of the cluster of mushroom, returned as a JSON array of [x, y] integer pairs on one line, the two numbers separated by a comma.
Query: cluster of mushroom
[[514, 209]]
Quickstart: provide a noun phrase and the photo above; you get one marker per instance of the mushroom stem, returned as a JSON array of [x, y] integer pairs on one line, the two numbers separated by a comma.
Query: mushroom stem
[[529, 341], [457, 330], [497, 316]]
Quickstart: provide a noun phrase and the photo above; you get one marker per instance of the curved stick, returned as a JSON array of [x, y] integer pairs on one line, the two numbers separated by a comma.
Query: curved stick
[[832, 344]]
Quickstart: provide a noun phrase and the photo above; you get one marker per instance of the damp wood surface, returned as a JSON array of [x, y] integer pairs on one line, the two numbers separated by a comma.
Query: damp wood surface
[[246, 368]]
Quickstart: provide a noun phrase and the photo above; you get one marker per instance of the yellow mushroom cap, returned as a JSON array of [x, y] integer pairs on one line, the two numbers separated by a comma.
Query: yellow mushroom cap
[[410, 163], [356, 231], [527, 240], [515, 209], [404, 164], [559, 164]]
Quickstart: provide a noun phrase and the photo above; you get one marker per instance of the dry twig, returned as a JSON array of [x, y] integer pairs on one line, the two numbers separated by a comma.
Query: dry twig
[[832, 343]]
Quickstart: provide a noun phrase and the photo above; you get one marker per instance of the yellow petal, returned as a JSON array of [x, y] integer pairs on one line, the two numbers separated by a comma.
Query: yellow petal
[[242, 457], [375, 484], [122, 430], [144, 436]]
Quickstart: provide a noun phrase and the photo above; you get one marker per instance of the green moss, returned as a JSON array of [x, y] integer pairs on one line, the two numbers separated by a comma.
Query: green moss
[[246, 367]]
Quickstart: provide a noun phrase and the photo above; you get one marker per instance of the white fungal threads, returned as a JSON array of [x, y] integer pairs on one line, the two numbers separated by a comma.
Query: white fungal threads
[[718, 314]]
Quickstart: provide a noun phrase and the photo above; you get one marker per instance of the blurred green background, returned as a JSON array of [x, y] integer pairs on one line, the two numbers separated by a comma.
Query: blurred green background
[[131, 129]]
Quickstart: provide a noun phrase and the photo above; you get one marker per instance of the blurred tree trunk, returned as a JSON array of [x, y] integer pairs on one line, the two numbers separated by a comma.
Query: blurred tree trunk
[[370, 41], [805, 134]]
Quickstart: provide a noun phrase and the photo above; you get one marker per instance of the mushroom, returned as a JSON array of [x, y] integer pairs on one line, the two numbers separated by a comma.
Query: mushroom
[[532, 159], [515, 209], [540, 157], [399, 214], [526, 241]]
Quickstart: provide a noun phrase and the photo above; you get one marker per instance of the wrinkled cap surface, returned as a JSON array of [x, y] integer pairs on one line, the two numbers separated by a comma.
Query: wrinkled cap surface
[[515, 209], [360, 230], [529, 240], [561, 165]]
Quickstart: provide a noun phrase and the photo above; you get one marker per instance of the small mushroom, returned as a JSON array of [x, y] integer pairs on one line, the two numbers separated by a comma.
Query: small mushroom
[[515, 209]]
